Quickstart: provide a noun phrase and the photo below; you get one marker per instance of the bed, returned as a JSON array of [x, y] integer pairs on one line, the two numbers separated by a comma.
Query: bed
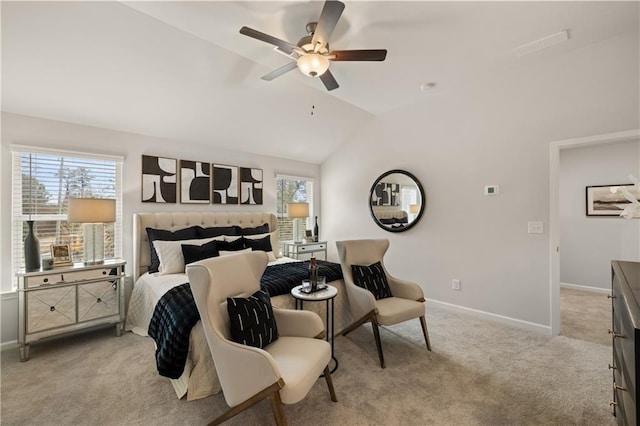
[[199, 378]]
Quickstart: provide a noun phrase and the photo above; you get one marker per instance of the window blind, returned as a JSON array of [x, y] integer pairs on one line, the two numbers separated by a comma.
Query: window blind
[[42, 183]]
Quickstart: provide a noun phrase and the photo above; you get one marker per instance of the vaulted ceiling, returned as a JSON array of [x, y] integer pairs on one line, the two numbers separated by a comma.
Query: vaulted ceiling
[[181, 70]]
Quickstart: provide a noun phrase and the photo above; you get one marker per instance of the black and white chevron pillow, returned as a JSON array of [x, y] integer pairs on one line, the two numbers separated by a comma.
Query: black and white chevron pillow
[[372, 278], [251, 320]]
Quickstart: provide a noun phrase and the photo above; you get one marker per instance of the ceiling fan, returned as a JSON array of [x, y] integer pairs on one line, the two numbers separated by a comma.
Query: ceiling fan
[[312, 55]]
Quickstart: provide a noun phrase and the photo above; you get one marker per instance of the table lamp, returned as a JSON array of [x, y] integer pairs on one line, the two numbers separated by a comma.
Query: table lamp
[[94, 213], [297, 211]]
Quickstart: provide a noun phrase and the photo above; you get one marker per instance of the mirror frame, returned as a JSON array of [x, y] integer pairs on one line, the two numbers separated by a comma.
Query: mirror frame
[[422, 200]]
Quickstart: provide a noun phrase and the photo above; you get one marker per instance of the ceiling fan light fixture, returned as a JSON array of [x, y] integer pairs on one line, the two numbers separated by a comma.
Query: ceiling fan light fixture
[[313, 64]]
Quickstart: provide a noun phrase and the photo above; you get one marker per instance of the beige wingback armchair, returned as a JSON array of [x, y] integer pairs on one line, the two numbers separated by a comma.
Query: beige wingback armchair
[[407, 301], [286, 369]]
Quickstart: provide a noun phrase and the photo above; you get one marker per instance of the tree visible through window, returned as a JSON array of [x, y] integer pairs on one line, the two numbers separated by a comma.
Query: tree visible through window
[[292, 189], [42, 186]]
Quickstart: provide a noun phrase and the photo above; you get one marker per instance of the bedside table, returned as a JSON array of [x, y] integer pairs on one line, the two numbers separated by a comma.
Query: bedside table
[[65, 299], [303, 251]]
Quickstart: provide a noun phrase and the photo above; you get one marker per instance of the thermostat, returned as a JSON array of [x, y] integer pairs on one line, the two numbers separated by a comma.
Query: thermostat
[[491, 190]]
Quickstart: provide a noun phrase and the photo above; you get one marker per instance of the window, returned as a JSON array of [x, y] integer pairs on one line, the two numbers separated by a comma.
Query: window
[[43, 181], [292, 189]]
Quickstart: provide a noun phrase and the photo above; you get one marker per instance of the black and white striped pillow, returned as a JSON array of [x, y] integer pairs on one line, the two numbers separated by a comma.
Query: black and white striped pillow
[[251, 320], [372, 278]]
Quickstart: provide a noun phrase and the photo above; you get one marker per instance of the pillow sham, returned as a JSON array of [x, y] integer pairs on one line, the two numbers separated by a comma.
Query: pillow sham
[[251, 320], [193, 253], [227, 253], [372, 278], [274, 239], [164, 235], [260, 244], [170, 254], [235, 244], [216, 231], [262, 229]]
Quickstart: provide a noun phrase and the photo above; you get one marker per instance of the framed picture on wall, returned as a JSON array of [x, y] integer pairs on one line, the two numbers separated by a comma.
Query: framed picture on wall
[[607, 200], [250, 186], [159, 179], [225, 184], [195, 182]]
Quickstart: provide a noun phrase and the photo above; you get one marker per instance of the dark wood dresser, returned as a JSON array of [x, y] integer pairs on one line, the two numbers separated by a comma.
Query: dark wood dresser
[[625, 297]]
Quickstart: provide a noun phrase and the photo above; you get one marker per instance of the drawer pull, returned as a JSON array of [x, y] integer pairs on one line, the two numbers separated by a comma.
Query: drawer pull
[[52, 308], [615, 334], [610, 296], [618, 387], [613, 403], [611, 367], [46, 280]]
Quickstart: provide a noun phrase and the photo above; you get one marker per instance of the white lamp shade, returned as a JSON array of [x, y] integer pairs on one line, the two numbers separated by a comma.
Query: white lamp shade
[[297, 210], [91, 210]]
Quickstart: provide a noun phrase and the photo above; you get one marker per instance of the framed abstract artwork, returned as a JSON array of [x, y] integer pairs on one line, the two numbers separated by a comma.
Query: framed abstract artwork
[[250, 186], [159, 179], [225, 184], [195, 182], [607, 200], [386, 194]]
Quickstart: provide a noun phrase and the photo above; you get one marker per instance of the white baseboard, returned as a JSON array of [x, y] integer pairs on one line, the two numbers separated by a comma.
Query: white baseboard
[[6, 346], [586, 288], [545, 329]]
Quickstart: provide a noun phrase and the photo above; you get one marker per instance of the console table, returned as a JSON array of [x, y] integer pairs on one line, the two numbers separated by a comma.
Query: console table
[[56, 301]]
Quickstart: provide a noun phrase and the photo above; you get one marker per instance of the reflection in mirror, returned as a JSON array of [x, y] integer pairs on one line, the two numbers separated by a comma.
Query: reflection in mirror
[[396, 201]]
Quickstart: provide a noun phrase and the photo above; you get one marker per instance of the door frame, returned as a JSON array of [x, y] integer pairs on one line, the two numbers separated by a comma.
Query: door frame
[[554, 208]]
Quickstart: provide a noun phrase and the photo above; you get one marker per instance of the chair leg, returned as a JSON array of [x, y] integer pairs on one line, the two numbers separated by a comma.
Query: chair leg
[[358, 323], [376, 334], [268, 392], [423, 323], [276, 407], [327, 377]]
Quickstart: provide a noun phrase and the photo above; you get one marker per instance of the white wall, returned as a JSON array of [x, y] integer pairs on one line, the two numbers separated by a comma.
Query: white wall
[[18, 129], [588, 244], [456, 142]]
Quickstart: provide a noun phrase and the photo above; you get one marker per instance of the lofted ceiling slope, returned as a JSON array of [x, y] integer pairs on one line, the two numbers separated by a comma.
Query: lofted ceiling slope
[[181, 70]]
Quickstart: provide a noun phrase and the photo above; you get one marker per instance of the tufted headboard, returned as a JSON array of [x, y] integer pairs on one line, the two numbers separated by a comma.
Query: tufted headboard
[[172, 221]]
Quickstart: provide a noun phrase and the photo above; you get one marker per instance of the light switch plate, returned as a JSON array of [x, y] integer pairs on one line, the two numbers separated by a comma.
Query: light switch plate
[[535, 227]]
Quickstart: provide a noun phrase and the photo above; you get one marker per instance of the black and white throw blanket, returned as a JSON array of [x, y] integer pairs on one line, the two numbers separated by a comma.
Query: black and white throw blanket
[[281, 278], [176, 313], [173, 318]]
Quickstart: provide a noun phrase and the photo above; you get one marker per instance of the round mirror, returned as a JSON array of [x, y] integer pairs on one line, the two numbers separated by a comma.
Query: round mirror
[[396, 201]]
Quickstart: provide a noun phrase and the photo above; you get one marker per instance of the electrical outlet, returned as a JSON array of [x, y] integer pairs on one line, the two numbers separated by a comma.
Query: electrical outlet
[[455, 284]]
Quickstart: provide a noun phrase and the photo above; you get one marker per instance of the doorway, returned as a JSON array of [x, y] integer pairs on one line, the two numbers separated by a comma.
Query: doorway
[[554, 209]]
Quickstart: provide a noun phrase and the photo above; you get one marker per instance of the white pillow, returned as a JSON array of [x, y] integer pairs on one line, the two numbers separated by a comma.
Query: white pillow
[[170, 254], [232, 252], [275, 243]]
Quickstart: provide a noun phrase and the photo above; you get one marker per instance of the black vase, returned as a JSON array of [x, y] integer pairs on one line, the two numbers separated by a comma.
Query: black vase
[[31, 250]]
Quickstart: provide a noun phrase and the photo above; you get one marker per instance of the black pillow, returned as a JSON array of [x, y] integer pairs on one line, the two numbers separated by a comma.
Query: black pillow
[[193, 253], [372, 278], [251, 320], [164, 235], [388, 221], [258, 244], [216, 231], [262, 229], [230, 245]]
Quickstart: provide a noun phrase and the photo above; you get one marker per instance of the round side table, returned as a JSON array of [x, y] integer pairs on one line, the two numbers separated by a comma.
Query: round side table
[[327, 295]]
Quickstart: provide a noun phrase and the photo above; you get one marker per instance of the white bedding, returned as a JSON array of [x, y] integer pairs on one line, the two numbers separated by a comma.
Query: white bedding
[[199, 378]]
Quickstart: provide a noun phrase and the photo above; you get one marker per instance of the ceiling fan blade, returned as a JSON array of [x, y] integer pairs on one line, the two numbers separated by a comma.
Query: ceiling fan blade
[[329, 17], [285, 46], [359, 55], [329, 82], [279, 71]]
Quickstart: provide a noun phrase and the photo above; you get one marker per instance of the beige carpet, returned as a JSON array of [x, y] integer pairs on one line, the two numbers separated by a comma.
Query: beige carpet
[[585, 315], [480, 373]]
